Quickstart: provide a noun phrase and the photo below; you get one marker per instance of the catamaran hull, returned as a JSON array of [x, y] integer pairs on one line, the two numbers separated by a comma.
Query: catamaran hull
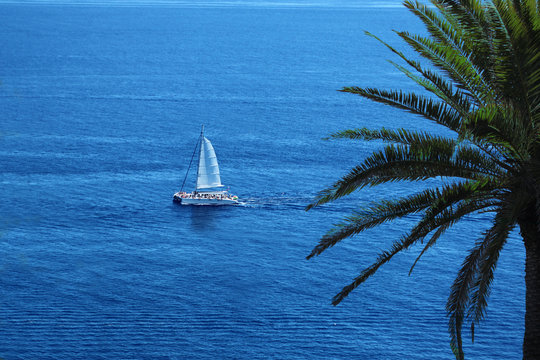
[[191, 201]]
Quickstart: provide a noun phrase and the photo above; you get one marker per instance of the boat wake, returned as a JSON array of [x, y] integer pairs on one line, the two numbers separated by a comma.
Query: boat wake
[[282, 200]]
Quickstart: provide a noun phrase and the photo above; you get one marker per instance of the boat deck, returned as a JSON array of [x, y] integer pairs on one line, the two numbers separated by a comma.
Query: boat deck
[[205, 198]]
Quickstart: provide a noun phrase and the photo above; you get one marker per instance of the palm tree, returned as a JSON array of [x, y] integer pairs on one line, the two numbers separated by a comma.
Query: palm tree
[[481, 68]]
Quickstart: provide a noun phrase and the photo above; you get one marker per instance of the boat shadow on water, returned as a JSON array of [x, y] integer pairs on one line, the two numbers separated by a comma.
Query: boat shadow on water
[[203, 217]]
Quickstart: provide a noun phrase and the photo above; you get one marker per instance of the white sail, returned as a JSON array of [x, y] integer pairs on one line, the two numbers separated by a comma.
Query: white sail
[[208, 173]]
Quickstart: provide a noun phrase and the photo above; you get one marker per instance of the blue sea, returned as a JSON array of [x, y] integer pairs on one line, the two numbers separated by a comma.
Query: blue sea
[[101, 105]]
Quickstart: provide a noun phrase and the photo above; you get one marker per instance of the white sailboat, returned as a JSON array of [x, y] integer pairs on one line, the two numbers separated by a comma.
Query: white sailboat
[[207, 190]]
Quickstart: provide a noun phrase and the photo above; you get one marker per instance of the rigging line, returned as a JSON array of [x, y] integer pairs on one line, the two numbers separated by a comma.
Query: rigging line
[[189, 167]]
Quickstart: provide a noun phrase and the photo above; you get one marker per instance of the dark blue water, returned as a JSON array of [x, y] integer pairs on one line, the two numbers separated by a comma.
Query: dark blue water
[[100, 110]]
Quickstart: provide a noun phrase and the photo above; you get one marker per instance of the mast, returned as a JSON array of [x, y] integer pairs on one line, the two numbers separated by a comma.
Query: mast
[[201, 139]]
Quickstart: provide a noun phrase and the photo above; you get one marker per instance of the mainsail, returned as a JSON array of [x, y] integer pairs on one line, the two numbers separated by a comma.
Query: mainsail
[[208, 172]]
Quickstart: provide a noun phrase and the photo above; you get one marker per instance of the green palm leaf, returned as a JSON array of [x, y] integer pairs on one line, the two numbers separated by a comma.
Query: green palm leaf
[[476, 273], [438, 112], [417, 234]]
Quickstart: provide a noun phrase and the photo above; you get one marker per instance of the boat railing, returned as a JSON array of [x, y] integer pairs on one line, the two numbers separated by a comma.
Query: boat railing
[[194, 195]]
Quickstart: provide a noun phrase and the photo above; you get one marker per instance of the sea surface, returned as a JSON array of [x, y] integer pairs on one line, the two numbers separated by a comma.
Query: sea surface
[[100, 110]]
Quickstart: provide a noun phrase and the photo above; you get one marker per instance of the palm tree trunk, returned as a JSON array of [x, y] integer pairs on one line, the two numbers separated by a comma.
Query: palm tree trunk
[[531, 238]]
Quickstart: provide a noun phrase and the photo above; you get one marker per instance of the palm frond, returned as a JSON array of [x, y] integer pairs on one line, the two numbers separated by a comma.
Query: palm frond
[[504, 222], [475, 158], [429, 159], [446, 29], [439, 28], [438, 112], [399, 136], [431, 81], [459, 298], [382, 259], [417, 234], [453, 203], [501, 129], [518, 45], [469, 16], [476, 272], [457, 66], [374, 215]]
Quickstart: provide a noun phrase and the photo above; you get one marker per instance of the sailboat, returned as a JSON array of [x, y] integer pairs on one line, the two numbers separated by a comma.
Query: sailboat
[[208, 188]]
